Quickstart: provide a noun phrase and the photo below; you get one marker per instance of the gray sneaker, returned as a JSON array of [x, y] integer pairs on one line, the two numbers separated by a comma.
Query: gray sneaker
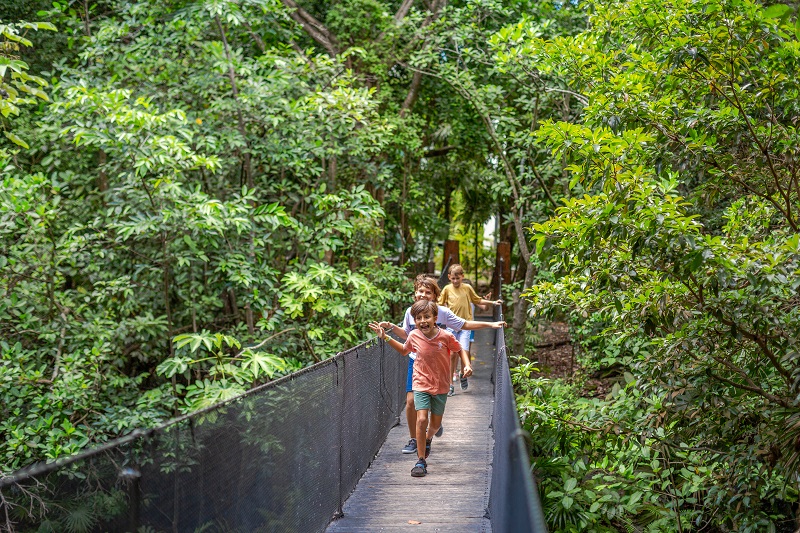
[[464, 382], [411, 447], [452, 391]]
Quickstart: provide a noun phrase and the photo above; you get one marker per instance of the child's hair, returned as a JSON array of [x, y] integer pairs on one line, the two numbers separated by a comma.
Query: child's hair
[[424, 280], [424, 305], [456, 270]]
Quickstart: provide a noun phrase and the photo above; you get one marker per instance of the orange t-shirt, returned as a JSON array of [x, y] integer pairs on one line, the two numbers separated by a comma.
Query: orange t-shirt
[[432, 366]]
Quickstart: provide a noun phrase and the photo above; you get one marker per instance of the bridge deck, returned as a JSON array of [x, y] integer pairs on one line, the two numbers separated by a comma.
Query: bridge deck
[[454, 496]]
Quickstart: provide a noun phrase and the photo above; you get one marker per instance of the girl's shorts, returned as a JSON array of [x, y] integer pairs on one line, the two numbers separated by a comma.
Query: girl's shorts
[[464, 337]]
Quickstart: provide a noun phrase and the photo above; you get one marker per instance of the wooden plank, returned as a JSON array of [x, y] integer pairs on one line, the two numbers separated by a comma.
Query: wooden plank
[[454, 496]]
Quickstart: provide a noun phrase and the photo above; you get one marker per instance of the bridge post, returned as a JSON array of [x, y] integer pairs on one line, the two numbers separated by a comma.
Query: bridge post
[[450, 255], [502, 267]]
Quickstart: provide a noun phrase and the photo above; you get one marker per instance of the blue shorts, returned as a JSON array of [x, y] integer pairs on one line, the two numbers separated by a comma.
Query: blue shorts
[[410, 374]]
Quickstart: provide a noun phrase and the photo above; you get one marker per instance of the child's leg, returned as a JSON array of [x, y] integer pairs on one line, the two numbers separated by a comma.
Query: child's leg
[[437, 405], [422, 429], [433, 426], [411, 415], [464, 341]]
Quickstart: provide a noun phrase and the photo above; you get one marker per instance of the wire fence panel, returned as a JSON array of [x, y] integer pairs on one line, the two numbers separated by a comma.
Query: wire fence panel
[[281, 458]]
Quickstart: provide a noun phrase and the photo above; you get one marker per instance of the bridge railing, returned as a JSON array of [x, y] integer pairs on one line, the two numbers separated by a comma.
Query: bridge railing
[[282, 457], [514, 504]]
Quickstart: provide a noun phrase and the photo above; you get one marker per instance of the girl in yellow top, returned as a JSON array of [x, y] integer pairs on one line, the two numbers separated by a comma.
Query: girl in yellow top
[[458, 296]]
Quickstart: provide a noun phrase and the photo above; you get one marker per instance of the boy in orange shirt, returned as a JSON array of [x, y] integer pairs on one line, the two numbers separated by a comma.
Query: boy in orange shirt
[[458, 296], [433, 346]]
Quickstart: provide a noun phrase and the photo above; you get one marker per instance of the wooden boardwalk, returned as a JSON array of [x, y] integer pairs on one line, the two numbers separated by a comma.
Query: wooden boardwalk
[[454, 496]]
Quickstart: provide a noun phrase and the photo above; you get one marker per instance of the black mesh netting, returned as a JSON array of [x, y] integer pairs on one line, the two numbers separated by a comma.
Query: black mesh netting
[[282, 457], [514, 504]]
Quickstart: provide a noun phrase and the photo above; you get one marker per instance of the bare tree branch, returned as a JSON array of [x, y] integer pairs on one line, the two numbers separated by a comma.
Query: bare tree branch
[[403, 10], [314, 28]]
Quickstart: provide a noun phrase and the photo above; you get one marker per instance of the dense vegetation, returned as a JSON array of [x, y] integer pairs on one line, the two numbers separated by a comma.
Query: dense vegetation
[[199, 196]]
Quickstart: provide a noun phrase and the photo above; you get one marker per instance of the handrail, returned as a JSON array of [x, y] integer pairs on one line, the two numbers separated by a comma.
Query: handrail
[[514, 504]]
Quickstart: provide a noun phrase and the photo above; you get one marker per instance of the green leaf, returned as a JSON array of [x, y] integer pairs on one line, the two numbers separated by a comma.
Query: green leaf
[[173, 366], [776, 11], [567, 502], [16, 140]]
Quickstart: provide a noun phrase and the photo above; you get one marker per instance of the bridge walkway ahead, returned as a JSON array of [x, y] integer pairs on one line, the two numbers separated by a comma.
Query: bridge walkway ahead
[[454, 496]]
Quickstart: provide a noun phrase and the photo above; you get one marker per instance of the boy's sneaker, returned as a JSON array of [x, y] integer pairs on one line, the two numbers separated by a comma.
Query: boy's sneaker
[[427, 447], [452, 391], [439, 431], [411, 447], [455, 377], [464, 382], [420, 469]]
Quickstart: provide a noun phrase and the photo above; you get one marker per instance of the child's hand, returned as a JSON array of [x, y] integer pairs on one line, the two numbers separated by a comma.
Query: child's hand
[[466, 371], [498, 325], [498, 302], [376, 327]]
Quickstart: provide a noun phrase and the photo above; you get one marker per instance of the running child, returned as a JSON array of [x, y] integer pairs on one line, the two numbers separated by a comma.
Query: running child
[[433, 346], [458, 297], [426, 288]]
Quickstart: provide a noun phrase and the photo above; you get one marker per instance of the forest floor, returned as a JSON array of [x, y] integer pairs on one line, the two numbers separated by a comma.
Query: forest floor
[[555, 355]]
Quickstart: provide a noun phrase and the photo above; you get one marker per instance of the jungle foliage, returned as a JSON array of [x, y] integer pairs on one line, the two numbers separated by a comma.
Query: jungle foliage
[[201, 195], [677, 260]]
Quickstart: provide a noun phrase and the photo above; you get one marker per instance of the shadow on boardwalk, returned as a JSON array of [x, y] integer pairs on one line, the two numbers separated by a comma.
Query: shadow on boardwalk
[[454, 496]]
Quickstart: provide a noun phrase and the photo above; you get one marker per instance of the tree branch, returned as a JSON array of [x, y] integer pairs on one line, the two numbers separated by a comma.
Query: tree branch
[[403, 10], [752, 388], [436, 152], [413, 92], [314, 28]]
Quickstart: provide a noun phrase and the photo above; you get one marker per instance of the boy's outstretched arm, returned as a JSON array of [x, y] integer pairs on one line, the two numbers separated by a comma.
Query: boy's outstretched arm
[[397, 330], [466, 367], [376, 327], [474, 324]]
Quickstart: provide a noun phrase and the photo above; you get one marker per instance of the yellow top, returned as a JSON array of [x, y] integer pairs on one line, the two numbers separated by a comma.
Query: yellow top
[[459, 299]]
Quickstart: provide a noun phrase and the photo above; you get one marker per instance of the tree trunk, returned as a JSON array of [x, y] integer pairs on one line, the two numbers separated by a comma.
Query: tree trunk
[[521, 316]]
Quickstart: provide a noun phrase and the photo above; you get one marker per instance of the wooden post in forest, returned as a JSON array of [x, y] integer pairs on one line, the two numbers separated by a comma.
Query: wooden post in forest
[[502, 267], [450, 256]]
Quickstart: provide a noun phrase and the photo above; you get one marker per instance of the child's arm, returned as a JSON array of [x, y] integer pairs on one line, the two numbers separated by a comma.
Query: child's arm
[[401, 349], [474, 324], [486, 300], [466, 367], [397, 330]]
